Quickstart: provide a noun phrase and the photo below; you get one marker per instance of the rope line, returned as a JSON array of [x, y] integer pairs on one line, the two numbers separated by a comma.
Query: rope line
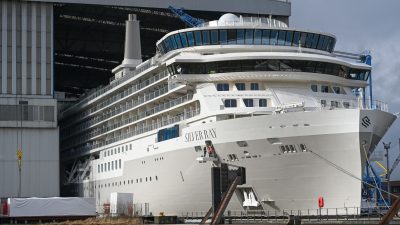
[[350, 174]]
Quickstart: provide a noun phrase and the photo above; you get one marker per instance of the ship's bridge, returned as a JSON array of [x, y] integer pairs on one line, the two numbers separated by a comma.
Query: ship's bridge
[[233, 30]]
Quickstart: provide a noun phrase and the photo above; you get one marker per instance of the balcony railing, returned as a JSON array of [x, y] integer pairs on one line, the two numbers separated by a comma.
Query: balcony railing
[[119, 111], [99, 91], [113, 100], [86, 148], [129, 120]]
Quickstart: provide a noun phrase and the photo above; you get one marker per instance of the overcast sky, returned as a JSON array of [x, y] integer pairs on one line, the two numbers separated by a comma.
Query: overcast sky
[[363, 25]]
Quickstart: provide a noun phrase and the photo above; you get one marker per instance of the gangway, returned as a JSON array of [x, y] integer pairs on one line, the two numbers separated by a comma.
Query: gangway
[[225, 201], [224, 180]]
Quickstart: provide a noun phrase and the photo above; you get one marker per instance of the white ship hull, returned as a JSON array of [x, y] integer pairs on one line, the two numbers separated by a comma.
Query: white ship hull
[[167, 176]]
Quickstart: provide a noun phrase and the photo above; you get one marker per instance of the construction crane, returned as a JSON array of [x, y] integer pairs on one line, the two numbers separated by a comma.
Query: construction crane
[[395, 164], [189, 20]]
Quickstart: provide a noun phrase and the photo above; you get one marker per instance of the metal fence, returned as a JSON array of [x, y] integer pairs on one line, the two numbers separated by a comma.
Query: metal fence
[[311, 215]]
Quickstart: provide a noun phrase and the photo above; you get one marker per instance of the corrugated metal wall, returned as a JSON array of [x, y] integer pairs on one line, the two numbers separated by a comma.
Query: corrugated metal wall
[[27, 108], [40, 162]]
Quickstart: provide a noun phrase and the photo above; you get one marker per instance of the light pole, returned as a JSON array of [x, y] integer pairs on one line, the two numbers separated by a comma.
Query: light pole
[[387, 147], [19, 155]]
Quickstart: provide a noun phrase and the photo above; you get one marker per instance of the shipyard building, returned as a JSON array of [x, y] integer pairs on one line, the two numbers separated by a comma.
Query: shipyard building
[[29, 152], [56, 51]]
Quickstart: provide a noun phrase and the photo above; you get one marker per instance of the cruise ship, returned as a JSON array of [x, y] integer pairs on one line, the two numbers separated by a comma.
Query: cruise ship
[[276, 100]]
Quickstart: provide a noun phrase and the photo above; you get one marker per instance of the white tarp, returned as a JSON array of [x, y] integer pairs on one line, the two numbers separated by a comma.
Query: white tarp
[[51, 207]]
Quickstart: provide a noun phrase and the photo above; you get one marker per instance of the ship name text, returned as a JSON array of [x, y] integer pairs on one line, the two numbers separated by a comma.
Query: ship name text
[[199, 135]]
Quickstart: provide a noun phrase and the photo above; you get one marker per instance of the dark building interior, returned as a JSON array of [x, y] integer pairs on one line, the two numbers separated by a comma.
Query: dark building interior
[[89, 40]]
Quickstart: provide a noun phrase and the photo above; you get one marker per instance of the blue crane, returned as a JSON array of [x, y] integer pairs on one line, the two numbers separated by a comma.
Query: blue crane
[[372, 185], [189, 20]]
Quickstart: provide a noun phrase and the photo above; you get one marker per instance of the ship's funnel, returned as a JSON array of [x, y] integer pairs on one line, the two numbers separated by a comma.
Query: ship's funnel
[[133, 52]]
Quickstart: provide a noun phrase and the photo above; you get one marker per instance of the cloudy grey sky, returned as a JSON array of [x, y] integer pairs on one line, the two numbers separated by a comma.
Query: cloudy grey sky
[[363, 25]]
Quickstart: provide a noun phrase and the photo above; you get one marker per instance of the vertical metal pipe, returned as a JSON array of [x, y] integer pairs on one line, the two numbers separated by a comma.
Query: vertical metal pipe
[[368, 61], [387, 147]]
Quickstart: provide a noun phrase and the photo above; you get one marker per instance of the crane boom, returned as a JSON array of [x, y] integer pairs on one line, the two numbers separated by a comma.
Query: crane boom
[[396, 162], [189, 20]]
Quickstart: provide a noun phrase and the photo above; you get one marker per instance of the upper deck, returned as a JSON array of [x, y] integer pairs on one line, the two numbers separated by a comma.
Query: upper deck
[[239, 31]]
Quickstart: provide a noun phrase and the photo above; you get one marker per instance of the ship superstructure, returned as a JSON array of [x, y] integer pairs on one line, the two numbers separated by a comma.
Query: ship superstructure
[[273, 99]]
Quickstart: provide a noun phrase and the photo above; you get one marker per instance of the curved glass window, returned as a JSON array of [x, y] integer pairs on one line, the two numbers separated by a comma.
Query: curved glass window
[[270, 65], [331, 45], [190, 39], [240, 37], [315, 41], [289, 38], [232, 37], [281, 37], [257, 37], [173, 43], [214, 37], [320, 42], [309, 39], [197, 37], [248, 37], [303, 38], [265, 37], [206, 37], [326, 42], [223, 37], [184, 40], [296, 38], [274, 37], [178, 40]]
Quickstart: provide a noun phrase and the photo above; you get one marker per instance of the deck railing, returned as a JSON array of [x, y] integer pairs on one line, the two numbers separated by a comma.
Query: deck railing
[[130, 119], [310, 215], [142, 129]]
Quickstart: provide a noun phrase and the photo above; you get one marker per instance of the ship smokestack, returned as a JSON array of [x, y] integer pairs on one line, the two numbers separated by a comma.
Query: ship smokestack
[[133, 52]]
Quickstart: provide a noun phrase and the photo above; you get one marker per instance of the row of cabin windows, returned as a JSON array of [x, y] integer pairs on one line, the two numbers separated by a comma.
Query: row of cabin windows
[[232, 103], [138, 180], [283, 65], [325, 89], [247, 37], [109, 166], [117, 150], [239, 87], [335, 104]]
